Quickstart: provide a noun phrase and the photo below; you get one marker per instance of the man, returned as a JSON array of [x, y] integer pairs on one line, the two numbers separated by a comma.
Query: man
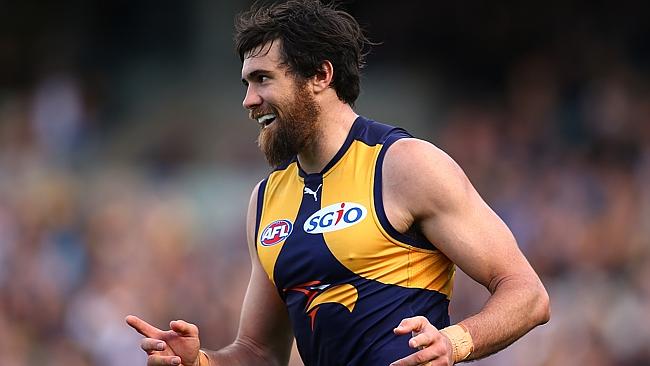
[[354, 236]]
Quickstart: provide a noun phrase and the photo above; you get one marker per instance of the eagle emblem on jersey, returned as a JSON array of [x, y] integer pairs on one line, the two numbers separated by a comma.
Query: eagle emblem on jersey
[[319, 293]]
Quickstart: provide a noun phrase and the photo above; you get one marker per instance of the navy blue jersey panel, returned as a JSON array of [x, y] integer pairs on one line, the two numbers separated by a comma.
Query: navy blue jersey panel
[[374, 133]]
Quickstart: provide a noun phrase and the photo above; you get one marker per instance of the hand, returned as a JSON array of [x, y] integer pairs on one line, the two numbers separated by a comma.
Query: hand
[[435, 347], [177, 346]]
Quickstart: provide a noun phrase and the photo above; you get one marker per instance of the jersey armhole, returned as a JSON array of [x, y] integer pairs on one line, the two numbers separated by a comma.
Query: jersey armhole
[[258, 210], [379, 202]]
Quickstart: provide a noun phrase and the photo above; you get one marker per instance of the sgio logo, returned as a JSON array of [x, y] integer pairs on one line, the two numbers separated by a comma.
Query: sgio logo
[[335, 217], [276, 232]]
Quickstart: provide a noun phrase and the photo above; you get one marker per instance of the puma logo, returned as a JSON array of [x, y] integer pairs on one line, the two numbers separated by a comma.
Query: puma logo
[[314, 193]]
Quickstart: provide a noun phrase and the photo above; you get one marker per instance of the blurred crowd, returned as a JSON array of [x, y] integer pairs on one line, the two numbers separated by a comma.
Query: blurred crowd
[[89, 234], [572, 180], [84, 244]]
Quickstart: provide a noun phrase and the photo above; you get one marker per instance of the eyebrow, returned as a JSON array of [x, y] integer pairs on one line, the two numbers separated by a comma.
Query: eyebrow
[[254, 74]]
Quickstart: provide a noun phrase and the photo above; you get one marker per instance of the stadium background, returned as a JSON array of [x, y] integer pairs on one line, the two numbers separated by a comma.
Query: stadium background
[[126, 162]]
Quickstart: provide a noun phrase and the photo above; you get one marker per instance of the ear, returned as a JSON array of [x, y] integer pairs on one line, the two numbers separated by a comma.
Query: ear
[[323, 78]]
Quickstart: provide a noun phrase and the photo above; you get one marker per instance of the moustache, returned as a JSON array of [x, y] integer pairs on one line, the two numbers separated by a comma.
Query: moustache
[[257, 113]]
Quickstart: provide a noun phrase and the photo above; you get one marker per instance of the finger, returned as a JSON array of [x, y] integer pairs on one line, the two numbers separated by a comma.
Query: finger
[[414, 324], [184, 328], [418, 358], [151, 345], [157, 360], [142, 327], [424, 339]]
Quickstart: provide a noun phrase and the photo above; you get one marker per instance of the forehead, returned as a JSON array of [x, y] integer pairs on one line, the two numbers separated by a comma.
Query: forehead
[[265, 57]]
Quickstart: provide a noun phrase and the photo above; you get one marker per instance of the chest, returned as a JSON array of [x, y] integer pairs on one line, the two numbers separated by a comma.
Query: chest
[[318, 226]]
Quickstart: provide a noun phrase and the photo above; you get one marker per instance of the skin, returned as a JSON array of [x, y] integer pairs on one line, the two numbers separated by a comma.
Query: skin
[[440, 200], [451, 214]]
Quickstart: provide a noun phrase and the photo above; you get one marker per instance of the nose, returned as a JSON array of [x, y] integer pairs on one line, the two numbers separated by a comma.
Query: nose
[[252, 98]]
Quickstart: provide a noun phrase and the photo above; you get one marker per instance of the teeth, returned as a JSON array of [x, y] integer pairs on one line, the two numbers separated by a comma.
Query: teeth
[[265, 118]]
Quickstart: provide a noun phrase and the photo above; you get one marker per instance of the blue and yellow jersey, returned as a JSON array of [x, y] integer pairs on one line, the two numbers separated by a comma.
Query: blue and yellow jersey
[[346, 275]]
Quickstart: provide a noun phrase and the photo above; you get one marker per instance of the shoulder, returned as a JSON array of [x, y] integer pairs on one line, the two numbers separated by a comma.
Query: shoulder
[[252, 204], [419, 173], [411, 157]]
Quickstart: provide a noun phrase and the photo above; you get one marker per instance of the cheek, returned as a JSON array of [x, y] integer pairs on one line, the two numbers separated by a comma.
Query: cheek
[[280, 109]]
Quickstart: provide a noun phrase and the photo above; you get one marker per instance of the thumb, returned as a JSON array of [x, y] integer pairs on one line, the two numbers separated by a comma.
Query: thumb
[[184, 328], [414, 324]]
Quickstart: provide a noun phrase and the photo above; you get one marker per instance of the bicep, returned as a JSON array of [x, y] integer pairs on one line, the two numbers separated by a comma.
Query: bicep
[[451, 214], [264, 319], [473, 236]]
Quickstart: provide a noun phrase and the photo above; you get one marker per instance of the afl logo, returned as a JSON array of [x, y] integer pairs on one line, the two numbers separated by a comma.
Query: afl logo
[[276, 232], [335, 217]]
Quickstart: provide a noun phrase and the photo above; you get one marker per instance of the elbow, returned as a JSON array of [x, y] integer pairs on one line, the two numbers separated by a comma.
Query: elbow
[[253, 352], [542, 313]]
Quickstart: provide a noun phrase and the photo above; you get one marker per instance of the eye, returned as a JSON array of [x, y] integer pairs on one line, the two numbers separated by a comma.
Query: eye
[[262, 78]]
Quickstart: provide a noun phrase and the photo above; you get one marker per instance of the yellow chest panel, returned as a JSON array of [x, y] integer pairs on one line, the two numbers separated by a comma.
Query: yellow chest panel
[[353, 234]]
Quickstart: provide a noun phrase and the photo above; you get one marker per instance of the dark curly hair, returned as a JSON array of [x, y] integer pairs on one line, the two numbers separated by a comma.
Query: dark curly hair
[[310, 33]]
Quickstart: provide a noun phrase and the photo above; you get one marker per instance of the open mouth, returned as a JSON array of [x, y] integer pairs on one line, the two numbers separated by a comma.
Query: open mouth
[[266, 120]]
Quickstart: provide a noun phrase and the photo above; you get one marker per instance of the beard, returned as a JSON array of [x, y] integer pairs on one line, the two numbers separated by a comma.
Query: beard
[[293, 130]]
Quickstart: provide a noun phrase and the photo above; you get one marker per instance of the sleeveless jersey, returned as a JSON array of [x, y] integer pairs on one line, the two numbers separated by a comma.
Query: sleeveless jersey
[[345, 274]]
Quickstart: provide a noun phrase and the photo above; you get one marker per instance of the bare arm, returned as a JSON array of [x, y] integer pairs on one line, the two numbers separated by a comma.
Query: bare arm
[[265, 335], [425, 187]]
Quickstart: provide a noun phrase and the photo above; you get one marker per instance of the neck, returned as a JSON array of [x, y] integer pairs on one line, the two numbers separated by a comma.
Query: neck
[[335, 123]]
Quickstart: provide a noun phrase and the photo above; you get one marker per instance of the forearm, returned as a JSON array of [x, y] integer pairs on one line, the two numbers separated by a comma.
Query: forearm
[[516, 306], [242, 352]]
